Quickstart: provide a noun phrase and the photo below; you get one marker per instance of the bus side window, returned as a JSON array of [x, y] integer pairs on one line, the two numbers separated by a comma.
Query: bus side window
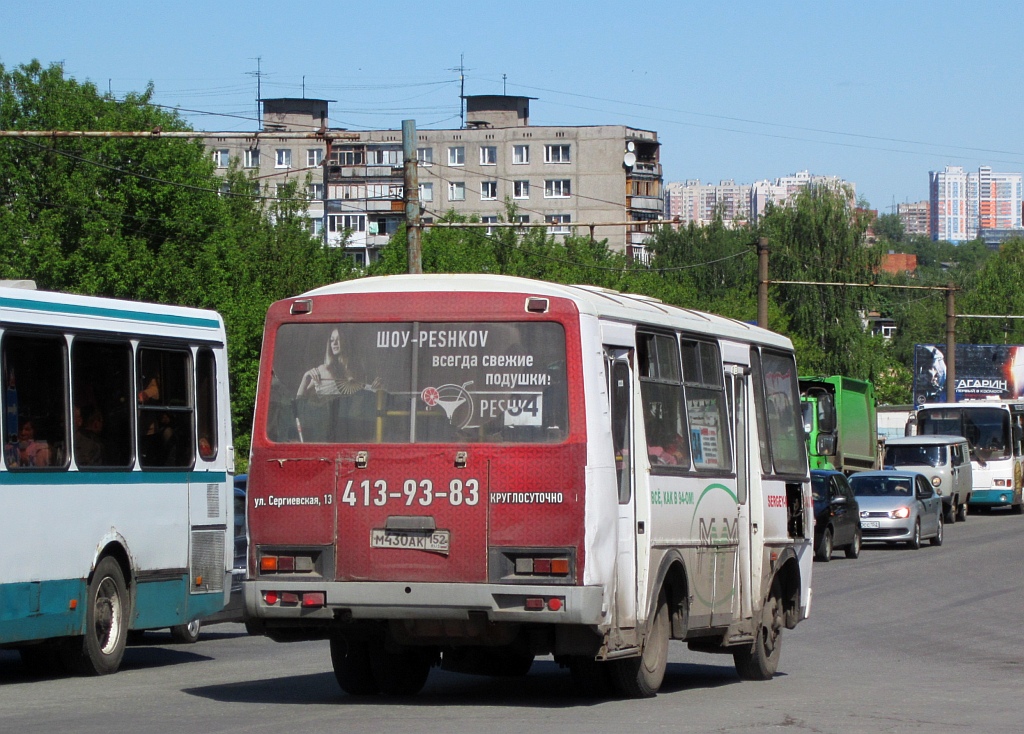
[[35, 402], [165, 408], [661, 389], [206, 403], [101, 385]]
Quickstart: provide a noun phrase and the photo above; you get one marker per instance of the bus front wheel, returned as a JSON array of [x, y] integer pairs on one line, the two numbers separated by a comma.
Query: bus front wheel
[[106, 623]]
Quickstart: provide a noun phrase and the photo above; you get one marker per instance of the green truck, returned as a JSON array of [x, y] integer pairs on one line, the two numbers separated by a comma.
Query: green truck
[[841, 420]]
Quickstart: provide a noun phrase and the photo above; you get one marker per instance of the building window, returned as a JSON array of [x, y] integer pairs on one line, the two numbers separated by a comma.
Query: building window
[[456, 191], [314, 157], [488, 190], [425, 156], [347, 157], [251, 158], [426, 192], [316, 227], [520, 154], [522, 219], [520, 189], [221, 157], [346, 222], [384, 157], [556, 154], [316, 191], [557, 188], [488, 155], [489, 220], [457, 156], [561, 222], [283, 158]]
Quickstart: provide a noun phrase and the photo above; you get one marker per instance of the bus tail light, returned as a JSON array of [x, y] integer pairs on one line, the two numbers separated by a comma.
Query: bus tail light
[[529, 565], [539, 604], [526, 566], [308, 599], [288, 563], [314, 599], [1001, 482]]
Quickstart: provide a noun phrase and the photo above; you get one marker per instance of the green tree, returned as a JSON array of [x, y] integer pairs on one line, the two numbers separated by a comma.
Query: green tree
[[146, 219], [820, 239], [889, 227]]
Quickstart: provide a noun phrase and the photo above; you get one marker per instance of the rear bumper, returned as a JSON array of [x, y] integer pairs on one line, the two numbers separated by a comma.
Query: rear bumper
[[994, 497], [581, 605]]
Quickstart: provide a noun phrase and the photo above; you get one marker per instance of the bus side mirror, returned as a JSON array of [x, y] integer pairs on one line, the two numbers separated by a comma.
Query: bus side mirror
[[826, 444]]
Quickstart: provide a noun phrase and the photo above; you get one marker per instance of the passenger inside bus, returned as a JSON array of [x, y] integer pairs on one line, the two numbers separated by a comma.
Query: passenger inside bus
[[28, 451], [88, 438]]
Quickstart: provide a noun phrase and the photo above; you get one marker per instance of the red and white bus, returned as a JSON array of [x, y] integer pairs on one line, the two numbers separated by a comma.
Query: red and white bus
[[471, 470]]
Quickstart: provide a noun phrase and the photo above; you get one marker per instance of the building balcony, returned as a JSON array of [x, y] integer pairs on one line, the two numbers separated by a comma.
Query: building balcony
[[384, 205], [653, 169], [340, 173], [646, 203]]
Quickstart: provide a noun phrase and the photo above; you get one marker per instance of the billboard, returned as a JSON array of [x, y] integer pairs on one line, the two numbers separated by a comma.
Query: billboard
[[982, 371]]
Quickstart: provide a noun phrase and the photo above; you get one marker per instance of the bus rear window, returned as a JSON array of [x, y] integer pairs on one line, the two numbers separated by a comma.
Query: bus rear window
[[419, 383]]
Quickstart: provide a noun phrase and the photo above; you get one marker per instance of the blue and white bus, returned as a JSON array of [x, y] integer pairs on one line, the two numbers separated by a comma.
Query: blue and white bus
[[115, 476]]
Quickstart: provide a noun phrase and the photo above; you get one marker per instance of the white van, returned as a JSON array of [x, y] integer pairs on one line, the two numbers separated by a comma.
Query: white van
[[945, 460]]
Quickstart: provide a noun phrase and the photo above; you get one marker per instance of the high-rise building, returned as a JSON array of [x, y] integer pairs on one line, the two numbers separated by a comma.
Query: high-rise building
[[702, 203], [964, 205], [916, 217], [739, 204]]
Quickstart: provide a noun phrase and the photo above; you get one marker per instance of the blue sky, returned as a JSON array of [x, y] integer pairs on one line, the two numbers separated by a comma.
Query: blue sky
[[878, 93]]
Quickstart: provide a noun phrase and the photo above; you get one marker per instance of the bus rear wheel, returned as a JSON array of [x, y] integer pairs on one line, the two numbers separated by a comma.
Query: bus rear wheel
[[186, 634], [641, 677], [761, 660], [351, 662], [101, 648], [401, 672]]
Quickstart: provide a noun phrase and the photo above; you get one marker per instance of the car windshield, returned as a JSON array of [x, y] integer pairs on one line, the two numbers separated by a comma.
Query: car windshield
[[882, 486], [819, 488], [915, 456]]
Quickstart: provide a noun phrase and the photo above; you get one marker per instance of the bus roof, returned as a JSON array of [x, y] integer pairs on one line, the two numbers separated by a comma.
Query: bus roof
[[25, 306], [593, 300]]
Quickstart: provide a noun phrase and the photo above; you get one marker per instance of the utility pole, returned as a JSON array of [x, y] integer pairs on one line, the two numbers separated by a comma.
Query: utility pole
[[762, 282], [413, 228], [950, 344]]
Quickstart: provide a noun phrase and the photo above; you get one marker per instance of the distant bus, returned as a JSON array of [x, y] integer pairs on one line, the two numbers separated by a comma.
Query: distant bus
[[994, 429], [114, 481], [471, 470]]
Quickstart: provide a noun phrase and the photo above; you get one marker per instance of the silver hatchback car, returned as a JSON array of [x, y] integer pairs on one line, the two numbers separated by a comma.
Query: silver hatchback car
[[898, 506]]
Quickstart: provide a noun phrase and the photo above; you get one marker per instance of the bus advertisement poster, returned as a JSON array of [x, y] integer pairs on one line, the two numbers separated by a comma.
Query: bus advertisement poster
[[982, 371]]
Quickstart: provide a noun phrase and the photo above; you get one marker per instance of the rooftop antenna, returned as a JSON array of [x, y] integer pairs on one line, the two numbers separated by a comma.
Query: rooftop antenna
[[504, 92], [461, 68], [259, 87], [303, 86]]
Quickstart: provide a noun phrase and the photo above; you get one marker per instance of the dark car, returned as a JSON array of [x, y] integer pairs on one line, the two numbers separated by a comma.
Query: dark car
[[836, 515]]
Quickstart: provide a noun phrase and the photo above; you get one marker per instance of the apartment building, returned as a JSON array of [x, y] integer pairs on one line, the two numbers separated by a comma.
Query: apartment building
[[700, 203], [277, 155], [916, 217], [739, 204], [561, 176], [963, 204]]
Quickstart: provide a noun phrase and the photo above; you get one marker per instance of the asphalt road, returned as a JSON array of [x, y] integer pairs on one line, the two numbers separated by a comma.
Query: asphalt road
[[898, 641]]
